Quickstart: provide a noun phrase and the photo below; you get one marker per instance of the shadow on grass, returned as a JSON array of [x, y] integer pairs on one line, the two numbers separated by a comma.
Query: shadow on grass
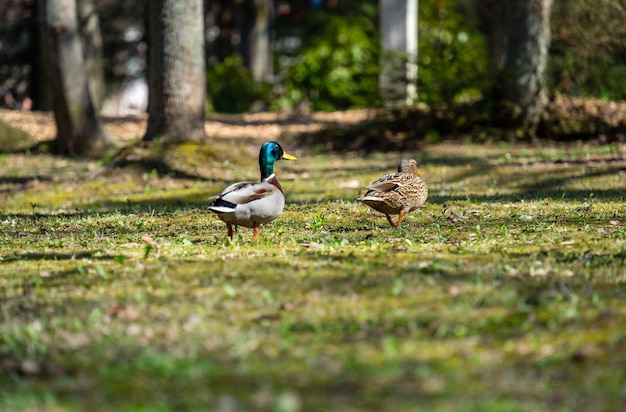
[[24, 179], [95, 255], [552, 182], [531, 194], [13, 183], [98, 210]]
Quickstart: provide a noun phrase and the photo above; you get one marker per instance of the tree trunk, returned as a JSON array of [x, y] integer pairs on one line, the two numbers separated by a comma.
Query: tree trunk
[[398, 67], [524, 72], [493, 23], [224, 14], [256, 39], [90, 33], [79, 130], [176, 70]]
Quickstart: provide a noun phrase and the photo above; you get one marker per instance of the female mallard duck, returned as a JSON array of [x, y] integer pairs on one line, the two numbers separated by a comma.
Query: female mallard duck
[[253, 204], [397, 193]]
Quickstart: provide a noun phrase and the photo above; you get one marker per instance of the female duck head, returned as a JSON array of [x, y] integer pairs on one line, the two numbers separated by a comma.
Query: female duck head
[[408, 166], [269, 154]]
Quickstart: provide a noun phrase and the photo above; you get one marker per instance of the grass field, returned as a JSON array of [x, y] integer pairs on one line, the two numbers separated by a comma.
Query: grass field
[[505, 292]]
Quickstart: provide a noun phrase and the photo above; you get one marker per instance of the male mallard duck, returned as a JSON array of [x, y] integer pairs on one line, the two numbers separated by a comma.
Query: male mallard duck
[[397, 193], [252, 204]]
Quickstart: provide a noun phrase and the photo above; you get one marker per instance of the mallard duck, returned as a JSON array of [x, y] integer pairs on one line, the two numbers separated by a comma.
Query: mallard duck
[[397, 193], [252, 204]]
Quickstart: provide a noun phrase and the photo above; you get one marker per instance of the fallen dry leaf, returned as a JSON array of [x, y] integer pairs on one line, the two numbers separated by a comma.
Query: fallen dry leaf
[[149, 241], [453, 217]]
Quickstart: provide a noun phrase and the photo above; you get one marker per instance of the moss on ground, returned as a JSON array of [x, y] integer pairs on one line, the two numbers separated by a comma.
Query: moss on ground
[[505, 291], [210, 159], [13, 139]]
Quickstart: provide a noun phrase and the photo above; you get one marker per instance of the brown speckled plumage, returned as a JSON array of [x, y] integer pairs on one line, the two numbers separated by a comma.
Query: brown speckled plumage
[[397, 193]]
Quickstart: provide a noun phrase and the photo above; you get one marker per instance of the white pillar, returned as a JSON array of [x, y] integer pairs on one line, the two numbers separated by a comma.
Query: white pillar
[[398, 66]]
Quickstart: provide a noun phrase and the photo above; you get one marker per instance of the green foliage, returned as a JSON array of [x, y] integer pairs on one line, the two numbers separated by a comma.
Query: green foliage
[[339, 70], [588, 49], [336, 66], [231, 88], [14, 139], [452, 57]]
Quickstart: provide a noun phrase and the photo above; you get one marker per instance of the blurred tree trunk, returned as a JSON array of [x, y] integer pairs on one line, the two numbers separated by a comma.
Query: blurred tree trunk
[[256, 38], [176, 70], [524, 72], [79, 130], [90, 33], [492, 17], [224, 14], [398, 66]]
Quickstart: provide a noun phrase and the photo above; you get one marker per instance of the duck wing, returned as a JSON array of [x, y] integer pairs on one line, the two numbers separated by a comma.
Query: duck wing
[[379, 186], [242, 193], [392, 182]]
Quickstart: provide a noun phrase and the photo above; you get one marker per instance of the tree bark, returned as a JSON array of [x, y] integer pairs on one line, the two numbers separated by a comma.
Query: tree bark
[[493, 23], [176, 70], [90, 33], [256, 39], [79, 129], [525, 67], [224, 14], [398, 66]]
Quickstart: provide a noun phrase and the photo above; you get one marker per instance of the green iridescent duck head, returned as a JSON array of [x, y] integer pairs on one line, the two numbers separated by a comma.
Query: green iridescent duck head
[[269, 154]]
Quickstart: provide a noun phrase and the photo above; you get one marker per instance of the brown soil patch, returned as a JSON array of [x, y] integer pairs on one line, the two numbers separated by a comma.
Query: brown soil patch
[[255, 127]]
